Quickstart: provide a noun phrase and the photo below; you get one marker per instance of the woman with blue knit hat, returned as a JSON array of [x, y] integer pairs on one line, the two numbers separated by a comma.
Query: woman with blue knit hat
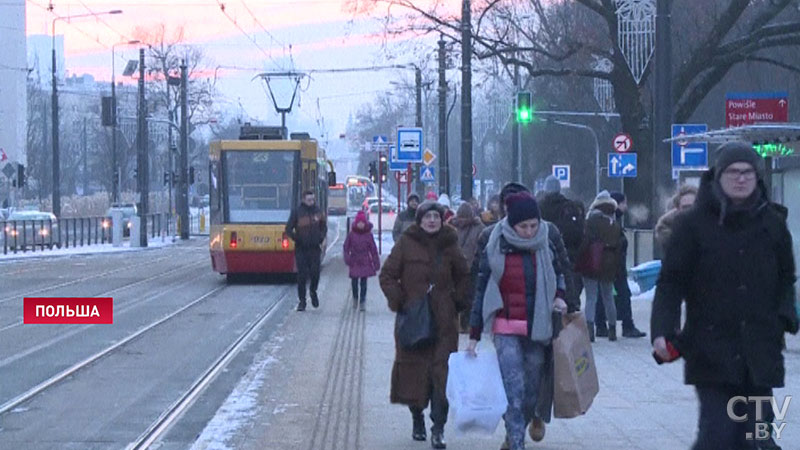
[[519, 286]]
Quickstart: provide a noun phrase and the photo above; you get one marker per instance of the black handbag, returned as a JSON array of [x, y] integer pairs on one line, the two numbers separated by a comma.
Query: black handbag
[[415, 325]]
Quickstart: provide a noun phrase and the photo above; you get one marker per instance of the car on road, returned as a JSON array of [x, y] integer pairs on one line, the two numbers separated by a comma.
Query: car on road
[[25, 229]]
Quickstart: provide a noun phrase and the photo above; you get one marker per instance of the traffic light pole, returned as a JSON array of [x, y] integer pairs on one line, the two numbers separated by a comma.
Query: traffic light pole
[[183, 181], [380, 202], [142, 157]]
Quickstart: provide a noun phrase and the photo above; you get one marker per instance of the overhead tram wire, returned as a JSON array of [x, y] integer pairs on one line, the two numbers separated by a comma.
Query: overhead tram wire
[[99, 19], [247, 35], [258, 22], [75, 27]]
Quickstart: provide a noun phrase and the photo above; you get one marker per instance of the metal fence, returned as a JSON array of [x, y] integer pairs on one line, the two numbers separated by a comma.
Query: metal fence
[[32, 235]]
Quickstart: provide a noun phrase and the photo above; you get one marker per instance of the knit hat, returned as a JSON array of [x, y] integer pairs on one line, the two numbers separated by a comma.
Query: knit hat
[[604, 202], [552, 185], [521, 207], [412, 197], [733, 152], [427, 206], [444, 200], [361, 216], [431, 196], [619, 197]]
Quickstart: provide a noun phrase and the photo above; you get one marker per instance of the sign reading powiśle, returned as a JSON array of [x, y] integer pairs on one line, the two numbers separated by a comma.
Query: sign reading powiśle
[[746, 108]]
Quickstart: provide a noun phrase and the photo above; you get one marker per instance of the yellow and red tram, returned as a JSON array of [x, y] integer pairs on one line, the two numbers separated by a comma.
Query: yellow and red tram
[[254, 184]]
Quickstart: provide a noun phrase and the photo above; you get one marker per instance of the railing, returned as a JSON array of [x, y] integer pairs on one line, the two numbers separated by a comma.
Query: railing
[[30, 235]]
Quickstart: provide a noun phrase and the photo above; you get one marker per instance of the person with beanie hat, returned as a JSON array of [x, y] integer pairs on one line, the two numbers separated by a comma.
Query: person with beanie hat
[[431, 196], [520, 286], [427, 255], [598, 260], [622, 298], [361, 256], [730, 259], [552, 184], [406, 218]]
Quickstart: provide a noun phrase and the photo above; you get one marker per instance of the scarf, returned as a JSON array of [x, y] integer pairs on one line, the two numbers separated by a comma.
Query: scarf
[[542, 327]]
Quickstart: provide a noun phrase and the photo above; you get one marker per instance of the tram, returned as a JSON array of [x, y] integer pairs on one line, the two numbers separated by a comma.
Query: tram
[[254, 184]]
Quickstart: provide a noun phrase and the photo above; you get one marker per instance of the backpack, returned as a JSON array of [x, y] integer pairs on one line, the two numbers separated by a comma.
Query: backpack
[[570, 222]]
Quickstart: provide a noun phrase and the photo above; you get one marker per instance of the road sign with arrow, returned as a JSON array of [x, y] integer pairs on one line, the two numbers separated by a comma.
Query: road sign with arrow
[[622, 165]]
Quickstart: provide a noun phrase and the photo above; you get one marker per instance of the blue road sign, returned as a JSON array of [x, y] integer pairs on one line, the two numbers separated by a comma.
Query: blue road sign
[[689, 154], [562, 173], [622, 165], [409, 145], [380, 139], [427, 174]]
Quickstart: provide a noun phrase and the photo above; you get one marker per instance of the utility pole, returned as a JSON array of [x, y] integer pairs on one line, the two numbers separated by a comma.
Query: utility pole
[[418, 90], [142, 159], [443, 175], [516, 158], [54, 119], [662, 127], [466, 101], [85, 168], [183, 179]]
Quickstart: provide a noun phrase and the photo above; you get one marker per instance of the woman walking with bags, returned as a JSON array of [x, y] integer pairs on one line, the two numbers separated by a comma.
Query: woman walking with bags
[[520, 285], [361, 256], [426, 264], [598, 260]]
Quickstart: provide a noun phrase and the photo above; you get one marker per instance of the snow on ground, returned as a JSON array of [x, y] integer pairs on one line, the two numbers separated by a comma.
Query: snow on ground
[[645, 296], [84, 250]]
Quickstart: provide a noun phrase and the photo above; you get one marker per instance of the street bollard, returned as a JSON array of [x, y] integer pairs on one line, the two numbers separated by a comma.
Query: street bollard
[[202, 223], [136, 224]]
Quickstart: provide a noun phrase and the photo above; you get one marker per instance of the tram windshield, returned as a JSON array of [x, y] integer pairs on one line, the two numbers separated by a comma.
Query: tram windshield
[[259, 185]]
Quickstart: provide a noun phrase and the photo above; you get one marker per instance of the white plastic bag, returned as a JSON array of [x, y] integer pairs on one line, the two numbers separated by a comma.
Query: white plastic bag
[[475, 391]]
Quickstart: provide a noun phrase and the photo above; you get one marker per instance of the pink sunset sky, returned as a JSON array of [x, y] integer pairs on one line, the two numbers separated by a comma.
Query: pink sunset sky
[[251, 34]]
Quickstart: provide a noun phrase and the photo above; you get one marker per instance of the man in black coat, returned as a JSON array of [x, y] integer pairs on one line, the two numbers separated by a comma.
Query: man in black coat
[[730, 258], [308, 227]]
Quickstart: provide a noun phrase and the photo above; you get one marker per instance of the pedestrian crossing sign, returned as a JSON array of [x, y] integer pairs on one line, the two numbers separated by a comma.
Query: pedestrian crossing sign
[[427, 174]]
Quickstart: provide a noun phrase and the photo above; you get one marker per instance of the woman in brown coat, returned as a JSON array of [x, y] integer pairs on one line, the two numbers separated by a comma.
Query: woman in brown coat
[[427, 253], [601, 226]]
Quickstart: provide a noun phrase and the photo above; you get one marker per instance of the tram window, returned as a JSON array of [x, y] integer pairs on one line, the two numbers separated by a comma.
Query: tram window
[[259, 185]]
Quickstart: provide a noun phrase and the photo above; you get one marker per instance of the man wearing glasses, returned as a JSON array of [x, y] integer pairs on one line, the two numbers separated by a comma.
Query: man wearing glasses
[[730, 258]]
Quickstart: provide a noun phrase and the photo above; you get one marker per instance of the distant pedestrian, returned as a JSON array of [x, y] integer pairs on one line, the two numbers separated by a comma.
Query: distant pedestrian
[[427, 255], [361, 256], [602, 231], [492, 215], [569, 216], [730, 258], [622, 296], [431, 196], [476, 206], [406, 218], [307, 227], [444, 200], [681, 202], [519, 287], [469, 227]]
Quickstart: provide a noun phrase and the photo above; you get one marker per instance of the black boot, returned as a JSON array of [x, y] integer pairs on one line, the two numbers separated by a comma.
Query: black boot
[[418, 433], [612, 332], [601, 330], [437, 438], [301, 305], [590, 326], [314, 299], [629, 330]]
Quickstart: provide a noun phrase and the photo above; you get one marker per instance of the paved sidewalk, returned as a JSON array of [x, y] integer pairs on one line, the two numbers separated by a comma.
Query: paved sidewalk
[[323, 384]]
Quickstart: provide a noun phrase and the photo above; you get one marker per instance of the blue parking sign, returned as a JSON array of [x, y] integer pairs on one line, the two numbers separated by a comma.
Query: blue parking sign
[[562, 173]]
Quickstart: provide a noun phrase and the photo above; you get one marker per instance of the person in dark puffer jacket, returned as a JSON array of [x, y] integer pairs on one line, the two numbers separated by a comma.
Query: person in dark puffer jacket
[[519, 287], [730, 258], [308, 227]]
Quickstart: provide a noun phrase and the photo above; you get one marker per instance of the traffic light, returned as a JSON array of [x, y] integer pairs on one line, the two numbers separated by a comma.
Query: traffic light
[[524, 107], [191, 175], [373, 171], [166, 178], [136, 174], [384, 168], [20, 175]]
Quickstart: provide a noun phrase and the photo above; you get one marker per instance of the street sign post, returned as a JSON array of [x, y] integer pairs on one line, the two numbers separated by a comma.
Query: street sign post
[[428, 157], [401, 177], [622, 165], [746, 108], [409, 145], [474, 170], [623, 142], [394, 164], [562, 173], [9, 170], [686, 154], [427, 174]]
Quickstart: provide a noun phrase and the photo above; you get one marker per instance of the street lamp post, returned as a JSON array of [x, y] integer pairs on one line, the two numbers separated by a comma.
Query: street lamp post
[[114, 163], [56, 163], [596, 148]]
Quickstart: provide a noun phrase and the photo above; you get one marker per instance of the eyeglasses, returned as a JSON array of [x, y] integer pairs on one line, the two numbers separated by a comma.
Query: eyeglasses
[[736, 174]]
